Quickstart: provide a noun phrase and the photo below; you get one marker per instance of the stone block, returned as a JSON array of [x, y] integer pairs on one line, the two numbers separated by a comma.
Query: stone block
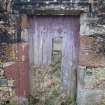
[[1, 73], [11, 83], [90, 97], [3, 82]]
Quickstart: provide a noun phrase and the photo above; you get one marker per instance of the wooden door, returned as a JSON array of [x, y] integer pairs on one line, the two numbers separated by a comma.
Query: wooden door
[[54, 43]]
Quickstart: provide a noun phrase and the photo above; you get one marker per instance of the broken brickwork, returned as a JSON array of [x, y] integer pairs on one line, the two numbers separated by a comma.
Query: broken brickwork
[[9, 83], [91, 76], [91, 60]]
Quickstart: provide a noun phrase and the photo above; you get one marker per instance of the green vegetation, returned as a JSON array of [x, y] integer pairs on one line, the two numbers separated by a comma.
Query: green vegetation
[[49, 102], [69, 101], [8, 103], [33, 100]]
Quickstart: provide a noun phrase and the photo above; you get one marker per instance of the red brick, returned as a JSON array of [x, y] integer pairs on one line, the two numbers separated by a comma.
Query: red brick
[[20, 71], [88, 57]]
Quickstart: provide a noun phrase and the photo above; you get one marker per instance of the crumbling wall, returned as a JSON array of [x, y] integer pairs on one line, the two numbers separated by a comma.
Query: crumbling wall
[[91, 68], [13, 56], [91, 65], [91, 76]]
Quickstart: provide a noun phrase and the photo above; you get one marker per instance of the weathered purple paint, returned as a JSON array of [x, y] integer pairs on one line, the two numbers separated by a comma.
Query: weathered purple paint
[[42, 29]]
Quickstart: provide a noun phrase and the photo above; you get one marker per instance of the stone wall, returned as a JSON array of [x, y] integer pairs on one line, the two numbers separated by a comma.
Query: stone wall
[[89, 25], [91, 86], [7, 86], [91, 70]]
